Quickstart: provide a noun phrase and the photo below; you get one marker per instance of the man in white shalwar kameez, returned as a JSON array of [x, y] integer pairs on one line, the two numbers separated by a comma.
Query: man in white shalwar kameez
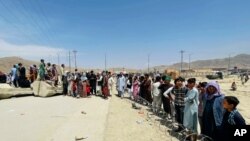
[[157, 101], [112, 84], [190, 119], [121, 85], [61, 75]]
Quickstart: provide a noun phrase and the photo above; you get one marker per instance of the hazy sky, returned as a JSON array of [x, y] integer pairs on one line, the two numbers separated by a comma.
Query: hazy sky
[[126, 30]]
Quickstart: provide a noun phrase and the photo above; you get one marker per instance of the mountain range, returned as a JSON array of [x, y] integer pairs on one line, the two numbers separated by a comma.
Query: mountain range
[[241, 61]]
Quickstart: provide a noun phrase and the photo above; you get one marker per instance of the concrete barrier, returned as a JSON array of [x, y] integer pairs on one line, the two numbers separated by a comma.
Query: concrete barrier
[[43, 89], [6, 91]]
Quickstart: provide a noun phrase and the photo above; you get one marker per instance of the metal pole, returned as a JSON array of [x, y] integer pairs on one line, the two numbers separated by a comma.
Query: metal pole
[[229, 61], [74, 51], [69, 62], [181, 59]]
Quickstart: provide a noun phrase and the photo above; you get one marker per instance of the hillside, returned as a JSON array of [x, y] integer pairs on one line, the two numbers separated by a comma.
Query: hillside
[[7, 63], [241, 61]]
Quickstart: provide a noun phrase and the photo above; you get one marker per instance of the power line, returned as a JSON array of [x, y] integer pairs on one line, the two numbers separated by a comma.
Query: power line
[[69, 62], [35, 21], [74, 51], [27, 37], [43, 18], [26, 14], [15, 17]]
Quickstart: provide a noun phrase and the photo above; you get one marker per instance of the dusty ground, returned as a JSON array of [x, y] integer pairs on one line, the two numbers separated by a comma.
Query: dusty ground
[[55, 118], [60, 118], [127, 124]]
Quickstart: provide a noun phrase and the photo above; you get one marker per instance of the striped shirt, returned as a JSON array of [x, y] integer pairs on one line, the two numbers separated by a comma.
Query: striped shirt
[[180, 94]]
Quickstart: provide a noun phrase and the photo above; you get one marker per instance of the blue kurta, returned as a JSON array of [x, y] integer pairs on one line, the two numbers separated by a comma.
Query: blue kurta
[[13, 74], [121, 84], [191, 110]]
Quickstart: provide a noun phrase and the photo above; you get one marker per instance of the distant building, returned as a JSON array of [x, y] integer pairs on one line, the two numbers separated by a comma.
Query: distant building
[[220, 69]]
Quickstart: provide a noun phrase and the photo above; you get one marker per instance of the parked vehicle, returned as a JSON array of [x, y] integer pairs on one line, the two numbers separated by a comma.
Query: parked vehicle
[[217, 75]]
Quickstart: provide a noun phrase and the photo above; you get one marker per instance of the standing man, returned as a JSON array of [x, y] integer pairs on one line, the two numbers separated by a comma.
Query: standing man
[[35, 72], [178, 94], [92, 82], [62, 72], [129, 86], [99, 83], [22, 76], [54, 75], [165, 99], [14, 76], [32, 74], [22, 71], [111, 83], [202, 92], [42, 70], [147, 87], [157, 101], [121, 85], [105, 90], [191, 107], [65, 83]]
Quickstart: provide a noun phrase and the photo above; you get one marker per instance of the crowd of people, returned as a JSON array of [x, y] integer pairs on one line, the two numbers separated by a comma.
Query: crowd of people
[[188, 103], [193, 105], [17, 76]]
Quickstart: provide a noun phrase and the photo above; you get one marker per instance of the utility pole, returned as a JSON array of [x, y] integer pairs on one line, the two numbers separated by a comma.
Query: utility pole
[[69, 62], [74, 51], [229, 63], [182, 51]]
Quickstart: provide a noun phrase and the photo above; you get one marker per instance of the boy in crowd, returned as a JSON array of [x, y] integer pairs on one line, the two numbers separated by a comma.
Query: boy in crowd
[[178, 94], [156, 95], [202, 92], [191, 106], [231, 117]]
